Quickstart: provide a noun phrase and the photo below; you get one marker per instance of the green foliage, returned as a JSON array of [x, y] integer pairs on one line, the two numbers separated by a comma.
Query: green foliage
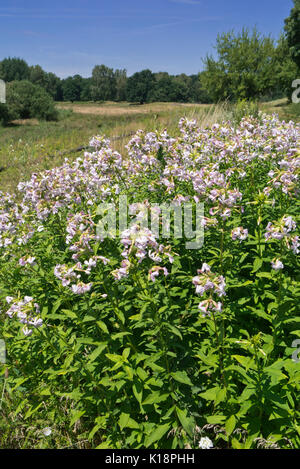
[[4, 114], [25, 100], [292, 29], [75, 88], [14, 69], [249, 66], [285, 70], [139, 86], [49, 81], [103, 83], [121, 84], [244, 108]]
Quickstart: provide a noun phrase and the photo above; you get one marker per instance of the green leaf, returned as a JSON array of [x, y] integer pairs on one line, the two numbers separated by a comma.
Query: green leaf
[[182, 377], [258, 262], [216, 419], [230, 425], [70, 314], [188, 423], [97, 352], [174, 330], [123, 420], [157, 434], [138, 392], [102, 326], [246, 362], [76, 414], [210, 394], [126, 353], [155, 397], [221, 396], [141, 373], [114, 358]]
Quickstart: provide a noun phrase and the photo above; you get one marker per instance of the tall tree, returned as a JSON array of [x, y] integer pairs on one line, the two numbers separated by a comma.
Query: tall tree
[[292, 29], [103, 85], [121, 84], [72, 88], [85, 94], [139, 86], [286, 70], [13, 68], [244, 67], [54, 86]]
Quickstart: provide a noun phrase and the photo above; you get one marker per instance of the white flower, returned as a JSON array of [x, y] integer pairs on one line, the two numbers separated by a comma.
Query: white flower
[[47, 431], [277, 264], [205, 268], [205, 443], [27, 332], [36, 322]]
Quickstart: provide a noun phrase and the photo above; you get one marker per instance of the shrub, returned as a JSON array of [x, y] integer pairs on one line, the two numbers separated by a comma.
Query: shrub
[[244, 108], [4, 114], [25, 100]]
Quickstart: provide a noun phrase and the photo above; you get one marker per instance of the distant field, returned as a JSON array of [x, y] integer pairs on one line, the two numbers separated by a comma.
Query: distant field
[[117, 109], [27, 146]]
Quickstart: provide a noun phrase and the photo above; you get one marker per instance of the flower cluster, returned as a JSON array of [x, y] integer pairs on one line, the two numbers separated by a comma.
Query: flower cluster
[[208, 306], [141, 243], [282, 230], [239, 233], [26, 311], [154, 272], [207, 281]]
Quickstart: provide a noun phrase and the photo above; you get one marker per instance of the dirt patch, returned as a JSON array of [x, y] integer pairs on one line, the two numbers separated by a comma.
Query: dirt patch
[[115, 110]]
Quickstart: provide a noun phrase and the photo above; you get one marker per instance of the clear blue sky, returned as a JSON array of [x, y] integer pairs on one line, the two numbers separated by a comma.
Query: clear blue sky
[[71, 36]]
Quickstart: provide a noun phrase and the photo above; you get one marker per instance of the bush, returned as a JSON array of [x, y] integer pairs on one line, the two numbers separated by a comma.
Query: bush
[[25, 100], [4, 114], [244, 108]]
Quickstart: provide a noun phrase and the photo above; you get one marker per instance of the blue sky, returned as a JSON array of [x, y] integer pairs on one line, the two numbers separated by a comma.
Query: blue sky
[[71, 36]]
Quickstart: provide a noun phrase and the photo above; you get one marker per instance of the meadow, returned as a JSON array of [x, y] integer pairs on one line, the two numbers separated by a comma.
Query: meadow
[[138, 340], [31, 145]]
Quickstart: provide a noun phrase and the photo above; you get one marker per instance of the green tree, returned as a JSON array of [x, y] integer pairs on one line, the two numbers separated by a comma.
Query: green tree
[[4, 114], [13, 68], [54, 86], [139, 86], [38, 76], [286, 70], [85, 94], [162, 88], [121, 84], [25, 100], [103, 84], [244, 68], [292, 29], [72, 88]]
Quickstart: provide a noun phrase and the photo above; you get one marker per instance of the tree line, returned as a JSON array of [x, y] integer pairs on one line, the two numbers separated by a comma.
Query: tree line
[[107, 84], [247, 65]]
